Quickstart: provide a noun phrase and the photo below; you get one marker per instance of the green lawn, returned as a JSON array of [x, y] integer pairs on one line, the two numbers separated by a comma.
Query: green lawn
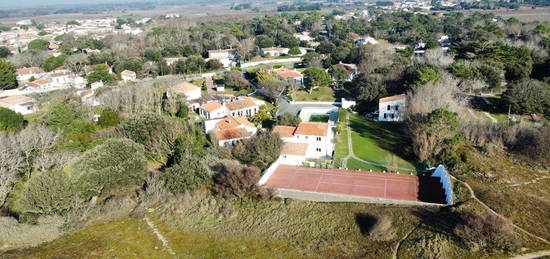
[[325, 94], [356, 164], [341, 147], [381, 142]]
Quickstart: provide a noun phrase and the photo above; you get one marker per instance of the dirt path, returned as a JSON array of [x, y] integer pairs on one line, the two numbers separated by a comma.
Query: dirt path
[[159, 236], [497, 214], [530, 182], [533, 255], [396, 250], [488, 115]]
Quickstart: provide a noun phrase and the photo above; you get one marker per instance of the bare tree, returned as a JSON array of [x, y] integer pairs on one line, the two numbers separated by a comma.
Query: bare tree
[[273, 88], [437, 57], [21, 151], [29, 59], [76, 63], [442, 94]]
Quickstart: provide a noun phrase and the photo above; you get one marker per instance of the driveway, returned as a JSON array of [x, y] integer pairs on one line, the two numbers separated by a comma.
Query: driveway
[[285, 106]]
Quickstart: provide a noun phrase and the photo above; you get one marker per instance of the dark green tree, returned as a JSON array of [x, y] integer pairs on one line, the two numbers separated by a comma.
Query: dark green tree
[[315, 77], [38, 44], [100, 73], [4, 52], [10, 120], [528, 97], [8, 76]]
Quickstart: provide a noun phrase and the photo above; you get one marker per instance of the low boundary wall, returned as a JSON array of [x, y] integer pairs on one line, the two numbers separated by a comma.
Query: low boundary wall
[[330, 197], [269, 171]]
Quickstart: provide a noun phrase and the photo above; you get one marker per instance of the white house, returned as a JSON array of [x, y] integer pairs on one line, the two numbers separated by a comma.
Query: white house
[[244, 106], [392, 108], [40, 85], [310, 140], [351, 69], [213, 110], [366, 40], [128, 75], [290, 76], [225, 56], [19, 103], [26, 73], [190, 91], [96, 85], [227, 131], [274, 52]]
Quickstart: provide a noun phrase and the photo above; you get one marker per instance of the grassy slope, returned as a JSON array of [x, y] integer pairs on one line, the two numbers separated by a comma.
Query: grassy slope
[[493, 178], [380, 142]]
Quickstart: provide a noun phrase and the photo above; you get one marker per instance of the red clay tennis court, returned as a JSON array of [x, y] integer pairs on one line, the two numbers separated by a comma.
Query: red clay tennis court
[[347, 182]]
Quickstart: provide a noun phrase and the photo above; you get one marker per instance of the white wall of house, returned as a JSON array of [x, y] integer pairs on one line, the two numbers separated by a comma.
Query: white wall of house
[[392, 110], [294, 80], [218, 113], [24, 108], [246, 112], [194, 94], [292, 159]]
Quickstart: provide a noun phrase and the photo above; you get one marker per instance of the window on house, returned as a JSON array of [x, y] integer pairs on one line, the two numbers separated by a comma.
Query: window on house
[[318, 138], [318, 149], [389, 107], [397, 107], [385, 115], [392, 115], [306, 137]]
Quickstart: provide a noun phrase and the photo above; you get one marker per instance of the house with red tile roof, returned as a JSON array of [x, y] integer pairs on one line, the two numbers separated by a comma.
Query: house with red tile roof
[[392, 108], [244, 106], [26, 73], [19, 103], [227, 131], [128, 75], [290, 76], [313, 140]]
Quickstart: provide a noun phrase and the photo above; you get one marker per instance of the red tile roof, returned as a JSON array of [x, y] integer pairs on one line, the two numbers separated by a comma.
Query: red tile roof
[[285, 73], [230, 122], [240, 104], [227, 134], [312, 129], [284, 131], [392, 98], [211, 106]]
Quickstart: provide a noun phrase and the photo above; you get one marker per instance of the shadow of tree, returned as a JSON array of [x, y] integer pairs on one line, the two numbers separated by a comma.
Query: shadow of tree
[[439, 220], [365, 222]]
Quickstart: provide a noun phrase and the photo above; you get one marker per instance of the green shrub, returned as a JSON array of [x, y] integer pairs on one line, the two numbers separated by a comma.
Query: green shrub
[[108, 118], [288, 119], [115, 164], [152, 131], [188, 175], [49, 192], [10, 120], [260, 151]]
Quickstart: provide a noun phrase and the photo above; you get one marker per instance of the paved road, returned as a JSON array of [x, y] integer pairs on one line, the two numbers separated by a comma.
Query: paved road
[[294, 108]]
